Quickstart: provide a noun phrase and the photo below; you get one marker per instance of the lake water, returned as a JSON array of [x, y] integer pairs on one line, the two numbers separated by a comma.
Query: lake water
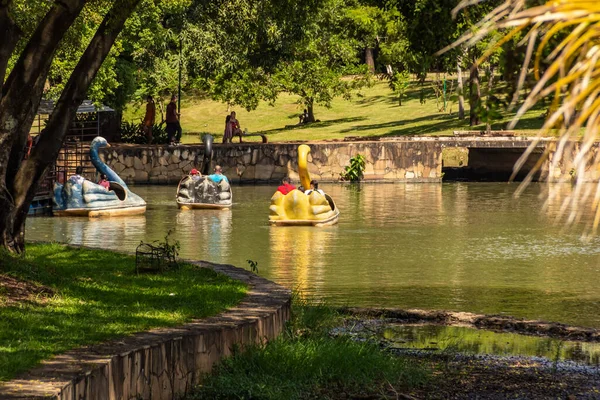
[[457, 246]]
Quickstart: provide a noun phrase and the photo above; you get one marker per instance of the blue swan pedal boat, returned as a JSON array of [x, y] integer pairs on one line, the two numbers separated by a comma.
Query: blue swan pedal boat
[[89, 199]]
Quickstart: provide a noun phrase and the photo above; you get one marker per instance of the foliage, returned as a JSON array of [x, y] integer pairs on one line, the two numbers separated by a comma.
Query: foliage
[[321, 58], [354, 171], [253, 266], [399, 84], [305, 362], [104, 300], [132, 132], [567, 32]]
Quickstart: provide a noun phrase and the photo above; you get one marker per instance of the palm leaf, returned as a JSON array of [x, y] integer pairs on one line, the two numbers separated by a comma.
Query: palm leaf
[[572, 76]]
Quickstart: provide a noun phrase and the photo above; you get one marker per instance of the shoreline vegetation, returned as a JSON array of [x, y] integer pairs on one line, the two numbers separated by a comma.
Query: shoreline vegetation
[[56, 298], [371, 112], [310, 361]]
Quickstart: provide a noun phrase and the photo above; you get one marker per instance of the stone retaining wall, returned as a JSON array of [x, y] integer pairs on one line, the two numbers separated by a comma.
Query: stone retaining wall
[[400, 161], [163, 363]]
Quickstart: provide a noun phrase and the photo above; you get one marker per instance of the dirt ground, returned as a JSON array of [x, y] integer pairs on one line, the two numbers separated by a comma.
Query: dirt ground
[[14, 291]]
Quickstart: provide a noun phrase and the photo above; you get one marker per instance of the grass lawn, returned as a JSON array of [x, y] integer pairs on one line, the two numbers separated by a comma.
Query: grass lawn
[[373, 112], [95, 295]]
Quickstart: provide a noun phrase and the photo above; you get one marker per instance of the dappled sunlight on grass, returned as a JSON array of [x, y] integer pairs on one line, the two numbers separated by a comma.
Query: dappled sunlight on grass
[[97, 297]]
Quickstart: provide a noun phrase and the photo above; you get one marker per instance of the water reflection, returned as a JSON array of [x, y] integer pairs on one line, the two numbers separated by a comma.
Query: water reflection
[[99, 232], [298, 255], [207, 231], [464, 247]]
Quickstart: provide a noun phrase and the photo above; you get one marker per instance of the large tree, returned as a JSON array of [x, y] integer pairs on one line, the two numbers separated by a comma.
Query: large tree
[[21, 95]]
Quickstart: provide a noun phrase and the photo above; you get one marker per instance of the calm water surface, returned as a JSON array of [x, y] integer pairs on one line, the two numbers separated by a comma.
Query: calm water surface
[[459, 246]]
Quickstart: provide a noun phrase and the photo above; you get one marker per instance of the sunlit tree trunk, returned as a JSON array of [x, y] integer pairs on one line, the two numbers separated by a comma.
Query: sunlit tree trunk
[[309, 108], [488, 102], [460, 89], [369, 59], [474, 95]]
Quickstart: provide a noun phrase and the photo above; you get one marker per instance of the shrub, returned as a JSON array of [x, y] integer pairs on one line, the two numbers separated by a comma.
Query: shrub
[[354, 171], [132, 132]]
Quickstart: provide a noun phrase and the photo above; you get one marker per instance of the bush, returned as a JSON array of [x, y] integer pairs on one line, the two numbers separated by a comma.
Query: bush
[[132, 132], [354, 171]]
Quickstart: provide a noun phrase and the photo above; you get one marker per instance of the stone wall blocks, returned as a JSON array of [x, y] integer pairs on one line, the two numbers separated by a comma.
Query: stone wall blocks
[[138, 164]]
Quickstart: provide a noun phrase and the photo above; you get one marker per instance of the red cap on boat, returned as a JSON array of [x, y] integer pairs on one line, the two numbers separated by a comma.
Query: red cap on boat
[[194, 172]]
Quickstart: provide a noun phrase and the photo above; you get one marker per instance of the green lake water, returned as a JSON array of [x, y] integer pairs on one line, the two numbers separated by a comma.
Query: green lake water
[[457, 246], [450, 339]]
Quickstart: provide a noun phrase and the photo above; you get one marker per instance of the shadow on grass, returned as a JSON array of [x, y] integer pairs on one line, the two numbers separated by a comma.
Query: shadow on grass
[[437, 123], [320, 124], [99, 297]]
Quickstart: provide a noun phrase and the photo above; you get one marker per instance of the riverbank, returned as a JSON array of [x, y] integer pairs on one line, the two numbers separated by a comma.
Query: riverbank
[[57, 298], [315, 358]]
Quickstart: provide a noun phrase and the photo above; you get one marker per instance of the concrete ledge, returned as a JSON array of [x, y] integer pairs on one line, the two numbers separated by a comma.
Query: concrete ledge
[[162, 363]]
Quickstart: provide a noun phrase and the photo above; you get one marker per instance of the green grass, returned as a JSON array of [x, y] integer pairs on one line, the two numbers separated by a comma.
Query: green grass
[[374, 112], [98, 297], [305, 362]]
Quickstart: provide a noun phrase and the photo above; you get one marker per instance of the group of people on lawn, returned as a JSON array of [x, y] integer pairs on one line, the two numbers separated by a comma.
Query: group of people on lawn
[[232, 125], [172, 119]]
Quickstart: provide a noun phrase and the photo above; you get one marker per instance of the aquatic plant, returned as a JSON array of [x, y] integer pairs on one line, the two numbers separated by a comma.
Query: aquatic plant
[[253, 266], [354, 171]]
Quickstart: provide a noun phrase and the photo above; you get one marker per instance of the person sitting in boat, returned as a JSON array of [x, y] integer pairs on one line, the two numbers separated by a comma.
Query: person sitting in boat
[[286, 186], [77, 178], [218, 176], [314, 187], [104, 182], [196, 175]]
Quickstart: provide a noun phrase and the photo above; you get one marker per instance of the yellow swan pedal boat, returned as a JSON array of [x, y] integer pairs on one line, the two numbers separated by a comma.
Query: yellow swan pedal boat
[[296, 208]]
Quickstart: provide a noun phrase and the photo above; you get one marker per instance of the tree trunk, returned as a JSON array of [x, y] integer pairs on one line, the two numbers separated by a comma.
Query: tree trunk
[[309, 108], [488, 122], [474, 95], [21, 95], [460, 89], [369, 59], [51, 138]]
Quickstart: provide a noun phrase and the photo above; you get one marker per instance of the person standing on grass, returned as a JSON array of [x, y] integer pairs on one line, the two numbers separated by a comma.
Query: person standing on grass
[[149, 118], [228, 134], [173, 125]]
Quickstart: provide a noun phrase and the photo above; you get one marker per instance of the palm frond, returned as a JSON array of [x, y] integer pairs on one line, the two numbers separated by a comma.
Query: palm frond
[[571, 75]]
